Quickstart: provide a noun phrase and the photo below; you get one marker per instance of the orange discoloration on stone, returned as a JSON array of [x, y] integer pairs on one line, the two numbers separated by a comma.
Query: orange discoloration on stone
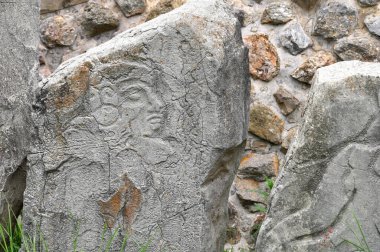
[[126, 200], [76, 85], [275, 164], [246, 158]]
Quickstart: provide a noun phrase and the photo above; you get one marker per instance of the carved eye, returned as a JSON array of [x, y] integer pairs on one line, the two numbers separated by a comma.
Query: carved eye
[[134, 93]]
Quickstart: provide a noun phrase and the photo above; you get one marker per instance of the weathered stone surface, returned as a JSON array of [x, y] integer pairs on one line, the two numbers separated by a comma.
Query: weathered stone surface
[[306, 4], [265, 123], [19, 34], [98, 19], [58, 31], [294, 38], [264, 63], [131, 7], [358, 46], [258, 166], [335, 20], [164, 6], [373, 23], [286, 101], [288, 139], [306, 70], [277, 13], [54, 5], [368, 2], [331, 167], [136, 133], [250, 190]]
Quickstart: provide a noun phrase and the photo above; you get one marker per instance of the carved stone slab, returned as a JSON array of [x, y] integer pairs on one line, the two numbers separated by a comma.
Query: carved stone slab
[[19, 34], [332, 173], [143, 134]]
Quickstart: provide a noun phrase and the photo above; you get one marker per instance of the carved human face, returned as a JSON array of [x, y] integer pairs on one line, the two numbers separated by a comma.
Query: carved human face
[[141, 107]]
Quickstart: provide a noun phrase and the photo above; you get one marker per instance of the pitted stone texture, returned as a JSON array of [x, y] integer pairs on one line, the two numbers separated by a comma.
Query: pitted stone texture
[[306, 70], [335, 19], [98, 19], [373, 23], [265, 123], [54, 5], [131, 7], [277, 13], [264, 63], [331, 167], [19, 35], [358, 46], [368, 2], [136, 134], [294, 38], [58, 31]]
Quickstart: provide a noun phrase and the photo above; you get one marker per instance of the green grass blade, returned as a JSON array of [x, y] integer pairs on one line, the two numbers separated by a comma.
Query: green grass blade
[[110, 241]]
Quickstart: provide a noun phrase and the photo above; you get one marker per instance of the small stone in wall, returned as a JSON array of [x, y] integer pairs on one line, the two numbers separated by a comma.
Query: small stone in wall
[[47, 6], [294, 38], [358, 46], [98, 19], [373, 23], [368, 2], [335, 20], [265, 123], [277, 13], [131, 7], [58, 31], [259, 166], [288, 139], [264, 63], [162, 7], [306, 71], [286, 101], [250, 190]]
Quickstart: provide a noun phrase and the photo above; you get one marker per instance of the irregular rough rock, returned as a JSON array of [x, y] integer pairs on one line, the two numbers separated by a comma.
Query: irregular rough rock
[[19, 35], [58, 30], [250, 190], [288, 139], [258, 166], [164, 6], [264, 63], [136, 133], [277, 13], [373, 24], [335, 20], [98, 19], [331, 168], [131, 7], [368, 2], [294, 38], [358, 46], [265, 123], [286, 101], [306, 70], [54, 5]]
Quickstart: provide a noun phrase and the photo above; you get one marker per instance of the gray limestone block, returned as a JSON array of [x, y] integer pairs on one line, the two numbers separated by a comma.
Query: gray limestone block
[[373, 23], [143, 134], [331, 172], [131, 7], [335, 19], [294, 38], [366, 3], [19, 34]]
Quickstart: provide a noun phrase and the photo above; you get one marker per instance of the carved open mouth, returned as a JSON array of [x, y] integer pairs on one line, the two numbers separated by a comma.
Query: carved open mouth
[[155, 119]]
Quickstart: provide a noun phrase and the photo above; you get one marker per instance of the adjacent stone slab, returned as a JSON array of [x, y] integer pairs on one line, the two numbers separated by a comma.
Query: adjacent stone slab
[[131, 7], [358, 46], [373, 23], [264, 63], [58, 31], [265, 123], [332, 168], [54, 5], [294, 38], [19, 35], [368, 2], [286, 101], [98, 19], [335, 19], [306, 70], [277, 13], [136, 134], [259, 166]]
